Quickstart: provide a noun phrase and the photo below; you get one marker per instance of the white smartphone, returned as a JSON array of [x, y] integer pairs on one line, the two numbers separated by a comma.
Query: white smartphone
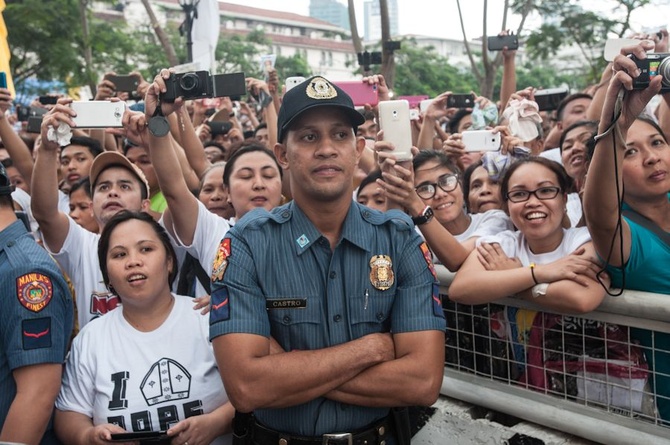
[[394, 121], [293, 81], [614, 47], [423, 105], [98, 114], [481, 140]]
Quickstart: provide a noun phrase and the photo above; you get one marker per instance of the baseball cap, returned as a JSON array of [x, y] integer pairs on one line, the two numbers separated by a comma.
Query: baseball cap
[[113, 158], [314, 92], [6, 187]]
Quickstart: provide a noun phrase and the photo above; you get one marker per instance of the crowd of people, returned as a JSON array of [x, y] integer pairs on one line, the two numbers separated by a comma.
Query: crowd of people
[[252, 272]]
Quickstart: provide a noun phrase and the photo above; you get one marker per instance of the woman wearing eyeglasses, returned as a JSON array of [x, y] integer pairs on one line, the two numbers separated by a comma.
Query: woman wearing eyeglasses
[[432, 194], [542, 261]]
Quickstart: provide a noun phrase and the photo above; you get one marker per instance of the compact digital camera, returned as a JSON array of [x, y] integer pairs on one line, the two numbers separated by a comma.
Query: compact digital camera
[[656, 64], [201, 84]]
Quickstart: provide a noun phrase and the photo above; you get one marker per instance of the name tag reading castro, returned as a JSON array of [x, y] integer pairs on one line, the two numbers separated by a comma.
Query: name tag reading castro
[[286, 303]]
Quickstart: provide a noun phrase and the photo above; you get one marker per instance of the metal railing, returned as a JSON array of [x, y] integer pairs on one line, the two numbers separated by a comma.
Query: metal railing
[[578, 374]]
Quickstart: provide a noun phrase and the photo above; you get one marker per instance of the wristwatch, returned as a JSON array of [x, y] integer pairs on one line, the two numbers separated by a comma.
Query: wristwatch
[[539, 290], [425, 216]]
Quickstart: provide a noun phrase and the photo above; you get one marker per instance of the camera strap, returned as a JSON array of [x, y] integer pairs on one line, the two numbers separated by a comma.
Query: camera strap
[[158, 124]]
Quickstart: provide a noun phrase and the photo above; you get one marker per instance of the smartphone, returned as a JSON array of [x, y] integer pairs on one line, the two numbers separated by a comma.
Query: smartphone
[[98, 114], [497, 43], [3, 79], [614, 47], [360, 92], [423, 105], [414, 114], [395, 121], [550, 98], [461, 101], [144, 436], [218, 127], [293, 81], [127, 83], [481, 140], [414, 101], [48, 100], [34, 124]]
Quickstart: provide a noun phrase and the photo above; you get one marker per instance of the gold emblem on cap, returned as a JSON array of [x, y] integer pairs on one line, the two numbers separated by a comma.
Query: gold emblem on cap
[[381, 273], [320, 88]]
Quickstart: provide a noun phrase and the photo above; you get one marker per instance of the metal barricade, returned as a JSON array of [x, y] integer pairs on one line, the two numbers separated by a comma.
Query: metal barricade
[[584, 375]]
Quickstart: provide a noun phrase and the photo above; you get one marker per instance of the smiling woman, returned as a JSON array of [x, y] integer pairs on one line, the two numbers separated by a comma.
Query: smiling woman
[[153, 334], [542, 261]]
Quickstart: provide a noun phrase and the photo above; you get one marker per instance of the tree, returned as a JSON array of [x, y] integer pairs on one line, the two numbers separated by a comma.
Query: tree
[[490, 66], [569, 24], [422, 71]]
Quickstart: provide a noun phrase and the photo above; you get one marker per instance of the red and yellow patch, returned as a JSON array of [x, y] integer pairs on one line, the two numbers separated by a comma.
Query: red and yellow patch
[[34, 291], [221, 260], [428, 256]]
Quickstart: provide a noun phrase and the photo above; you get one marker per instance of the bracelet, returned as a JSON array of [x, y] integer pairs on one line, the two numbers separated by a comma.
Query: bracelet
[[532, 272]]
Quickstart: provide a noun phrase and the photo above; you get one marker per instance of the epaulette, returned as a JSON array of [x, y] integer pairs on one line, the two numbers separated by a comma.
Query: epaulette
[[258, 217], [399, 219]]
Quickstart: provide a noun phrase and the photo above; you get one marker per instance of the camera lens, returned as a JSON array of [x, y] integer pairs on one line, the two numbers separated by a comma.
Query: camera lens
[[664, 71], [188, 82]]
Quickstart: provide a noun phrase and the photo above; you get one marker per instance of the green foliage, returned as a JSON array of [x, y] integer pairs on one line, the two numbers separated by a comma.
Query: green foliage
[[423, 71], [295, 65]]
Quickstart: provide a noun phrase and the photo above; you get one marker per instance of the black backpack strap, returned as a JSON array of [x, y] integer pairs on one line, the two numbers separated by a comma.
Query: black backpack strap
[[647, 224]]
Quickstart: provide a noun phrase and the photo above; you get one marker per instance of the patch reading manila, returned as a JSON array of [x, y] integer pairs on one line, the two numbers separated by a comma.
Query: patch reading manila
[[34, 291], [221, 260]]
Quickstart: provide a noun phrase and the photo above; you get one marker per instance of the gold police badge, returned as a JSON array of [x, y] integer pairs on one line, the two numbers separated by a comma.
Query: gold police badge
[[320, 88], [381, 273]]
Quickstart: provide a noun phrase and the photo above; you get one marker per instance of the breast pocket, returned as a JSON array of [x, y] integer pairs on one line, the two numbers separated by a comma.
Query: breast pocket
[[371, 312], [296, 327]]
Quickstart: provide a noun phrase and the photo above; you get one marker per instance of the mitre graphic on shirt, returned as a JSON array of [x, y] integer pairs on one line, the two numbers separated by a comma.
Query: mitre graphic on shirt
[[166, 381]]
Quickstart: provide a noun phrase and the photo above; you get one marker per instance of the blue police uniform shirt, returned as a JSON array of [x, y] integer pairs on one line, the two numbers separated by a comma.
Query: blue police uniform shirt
[[37, 311], [276, 275]]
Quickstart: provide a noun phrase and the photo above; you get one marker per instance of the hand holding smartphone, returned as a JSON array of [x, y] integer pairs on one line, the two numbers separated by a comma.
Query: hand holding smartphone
[[481, 140], [394, 120], [98, 114], [497, 43]]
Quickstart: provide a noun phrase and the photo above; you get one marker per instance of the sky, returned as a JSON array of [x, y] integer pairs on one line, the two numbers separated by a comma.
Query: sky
[[439, 18]]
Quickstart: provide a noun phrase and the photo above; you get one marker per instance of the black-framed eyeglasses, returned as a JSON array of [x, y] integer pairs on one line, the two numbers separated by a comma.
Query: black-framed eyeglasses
[[447, 182], [542, 193]]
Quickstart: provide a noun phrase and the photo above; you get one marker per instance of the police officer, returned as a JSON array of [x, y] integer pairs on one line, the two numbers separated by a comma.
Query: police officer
[[325, 314], [37, 320]]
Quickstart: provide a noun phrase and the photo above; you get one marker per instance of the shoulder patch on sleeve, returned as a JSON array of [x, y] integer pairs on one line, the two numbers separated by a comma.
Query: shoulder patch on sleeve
[[428, 256], [220, 305], [437, 301], [36, 333], [221, 260], [34, 291]]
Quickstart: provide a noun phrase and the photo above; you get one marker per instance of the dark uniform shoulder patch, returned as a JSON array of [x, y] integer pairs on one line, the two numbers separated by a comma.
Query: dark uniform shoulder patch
[[36, 333], [34, 291]]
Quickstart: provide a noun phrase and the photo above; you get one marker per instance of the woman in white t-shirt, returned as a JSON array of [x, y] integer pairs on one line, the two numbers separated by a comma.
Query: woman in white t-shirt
[[542, 261], [147, 365], [431, 190]]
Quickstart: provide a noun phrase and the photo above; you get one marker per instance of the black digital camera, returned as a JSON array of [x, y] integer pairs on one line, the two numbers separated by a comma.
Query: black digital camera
[[201, 84], [656, 64]]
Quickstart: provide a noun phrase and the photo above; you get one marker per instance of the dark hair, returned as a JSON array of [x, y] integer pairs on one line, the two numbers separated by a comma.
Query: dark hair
[[126, 215], [260, 126], [368, 115], [207, 170], [83, 183], [456, 119], [93, 145], [564, 103], [212, 143], [592, 124], [441, 157], [467, 174], [369, 179], [250, 148], [565, 182]]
